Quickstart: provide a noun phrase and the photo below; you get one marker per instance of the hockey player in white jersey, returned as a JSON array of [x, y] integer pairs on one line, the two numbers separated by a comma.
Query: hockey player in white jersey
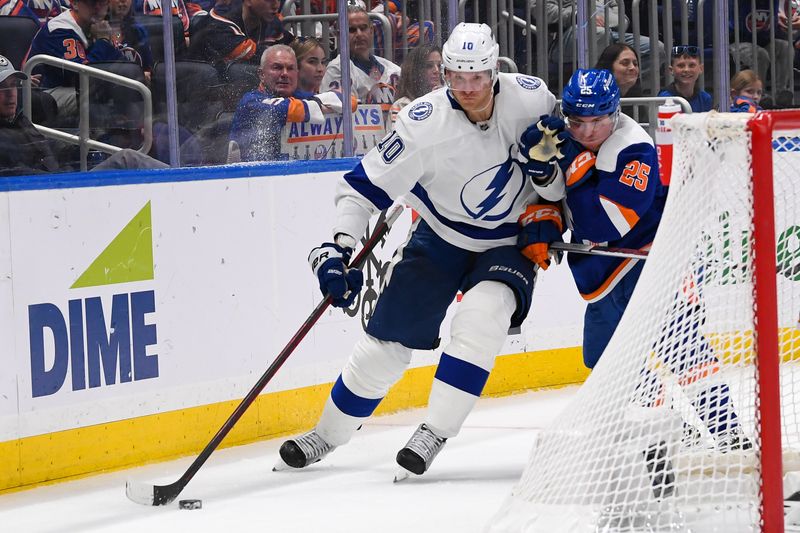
[[453, 157]]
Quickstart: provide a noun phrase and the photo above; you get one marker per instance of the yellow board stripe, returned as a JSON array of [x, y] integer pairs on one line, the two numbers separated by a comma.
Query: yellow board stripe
[[73, 453]]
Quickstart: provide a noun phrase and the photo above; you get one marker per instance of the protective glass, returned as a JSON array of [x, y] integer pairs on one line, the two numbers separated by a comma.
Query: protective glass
[[468, 81]]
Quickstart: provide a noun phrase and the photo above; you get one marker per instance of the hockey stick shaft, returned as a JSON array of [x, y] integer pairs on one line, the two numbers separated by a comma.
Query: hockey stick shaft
[[592, 249], [164, 494]]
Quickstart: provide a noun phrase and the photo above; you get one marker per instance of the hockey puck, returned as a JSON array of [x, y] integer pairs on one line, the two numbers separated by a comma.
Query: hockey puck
[[190, 504]]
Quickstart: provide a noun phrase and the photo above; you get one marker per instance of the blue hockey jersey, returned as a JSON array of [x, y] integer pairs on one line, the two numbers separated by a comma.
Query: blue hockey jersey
[[618, 203], [260, 116], [61, 37]]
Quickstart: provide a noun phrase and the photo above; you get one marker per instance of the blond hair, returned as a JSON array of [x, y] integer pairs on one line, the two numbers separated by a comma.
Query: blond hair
[[743, 79], [303, 46]]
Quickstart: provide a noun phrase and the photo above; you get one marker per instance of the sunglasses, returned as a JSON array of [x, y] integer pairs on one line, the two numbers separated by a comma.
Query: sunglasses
[[685, 50]]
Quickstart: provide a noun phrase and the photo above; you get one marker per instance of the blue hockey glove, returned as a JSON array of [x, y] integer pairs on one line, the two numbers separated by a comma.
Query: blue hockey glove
[[541, 145], [541, 225], [329, 263]]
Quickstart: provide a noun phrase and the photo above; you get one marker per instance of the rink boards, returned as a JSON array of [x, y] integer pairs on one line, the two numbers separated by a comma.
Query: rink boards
[[137, 308]]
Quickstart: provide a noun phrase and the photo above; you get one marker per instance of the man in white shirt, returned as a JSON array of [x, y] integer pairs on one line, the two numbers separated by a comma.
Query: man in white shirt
[[374, 79]]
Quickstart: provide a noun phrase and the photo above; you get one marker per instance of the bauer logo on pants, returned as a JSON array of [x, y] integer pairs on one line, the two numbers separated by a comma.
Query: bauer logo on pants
[[85, 339]]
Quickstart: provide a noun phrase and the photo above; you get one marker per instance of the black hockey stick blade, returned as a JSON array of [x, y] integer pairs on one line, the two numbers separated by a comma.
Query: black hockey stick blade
[[593, 249], [147, 494]]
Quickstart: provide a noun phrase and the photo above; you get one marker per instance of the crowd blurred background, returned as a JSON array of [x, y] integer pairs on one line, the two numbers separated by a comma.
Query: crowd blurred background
[[261, 80]]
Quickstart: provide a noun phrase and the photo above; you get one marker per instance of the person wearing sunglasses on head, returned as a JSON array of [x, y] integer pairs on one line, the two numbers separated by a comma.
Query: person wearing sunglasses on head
[[686, 65]]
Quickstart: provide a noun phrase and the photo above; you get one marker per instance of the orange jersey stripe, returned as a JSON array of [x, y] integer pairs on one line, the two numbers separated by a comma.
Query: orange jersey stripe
[[698, 372], [613, 278], [629, 214], [297, 111], [243, 51]]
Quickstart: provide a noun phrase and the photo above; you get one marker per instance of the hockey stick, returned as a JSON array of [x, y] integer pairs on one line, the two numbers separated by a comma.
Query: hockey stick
[[147, 494], [593, 249]]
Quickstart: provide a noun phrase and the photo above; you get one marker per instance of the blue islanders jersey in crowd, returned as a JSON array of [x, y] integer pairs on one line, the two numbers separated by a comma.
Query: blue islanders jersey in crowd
[[463, 178], [61, 37], [619, 205], [259, 118]]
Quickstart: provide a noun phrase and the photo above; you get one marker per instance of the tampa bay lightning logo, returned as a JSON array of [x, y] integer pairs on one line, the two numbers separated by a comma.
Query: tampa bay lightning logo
[[491, 194], [420, 111], [528, 82]]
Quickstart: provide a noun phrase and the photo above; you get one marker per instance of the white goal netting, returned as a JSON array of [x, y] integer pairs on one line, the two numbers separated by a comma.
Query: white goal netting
[[665, 434]]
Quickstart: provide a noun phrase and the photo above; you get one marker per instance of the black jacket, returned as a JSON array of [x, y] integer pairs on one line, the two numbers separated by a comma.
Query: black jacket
[[23, 150]]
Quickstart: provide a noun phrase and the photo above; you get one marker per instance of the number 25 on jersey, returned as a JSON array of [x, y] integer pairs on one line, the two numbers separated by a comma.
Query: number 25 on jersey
[[636, 175]]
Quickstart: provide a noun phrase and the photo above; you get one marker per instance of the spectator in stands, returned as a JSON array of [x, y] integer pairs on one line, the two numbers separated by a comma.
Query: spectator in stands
[[311, 62], [623, 62], [38, 10], [746, 92], [421, 73], [128, 36], [185, 11], [762, 20], [374, 79], [563, 12], [238, 31], [416, 34], [261, 114], [23, 150], [686, 65], [81, 35]]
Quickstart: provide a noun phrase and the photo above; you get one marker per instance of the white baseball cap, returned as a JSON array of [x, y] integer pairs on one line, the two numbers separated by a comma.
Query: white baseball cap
[[7, 69]]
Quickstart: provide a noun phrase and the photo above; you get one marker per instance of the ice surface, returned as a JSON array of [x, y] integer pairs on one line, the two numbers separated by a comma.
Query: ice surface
[[350, 491]]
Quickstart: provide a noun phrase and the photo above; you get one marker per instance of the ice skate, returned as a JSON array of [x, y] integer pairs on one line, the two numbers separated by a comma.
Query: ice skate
[[304, 450], [660, 468], [733, 440], [692, 438], [420, 450]]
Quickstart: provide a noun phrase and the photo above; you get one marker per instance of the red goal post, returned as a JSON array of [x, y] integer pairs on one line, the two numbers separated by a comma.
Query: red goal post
[[692, 417], [762, 127]]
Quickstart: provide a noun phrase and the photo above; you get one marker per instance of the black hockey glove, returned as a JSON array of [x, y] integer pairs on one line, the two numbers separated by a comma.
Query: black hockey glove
[[329, 263]]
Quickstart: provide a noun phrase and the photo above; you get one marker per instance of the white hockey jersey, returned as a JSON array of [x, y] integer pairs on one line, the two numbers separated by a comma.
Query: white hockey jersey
[[463, 178], [378, 88]]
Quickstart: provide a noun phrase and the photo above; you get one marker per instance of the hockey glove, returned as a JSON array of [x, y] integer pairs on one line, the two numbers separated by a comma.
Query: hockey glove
[[580, 169], [540, 143], [541, 225], [329, 263]]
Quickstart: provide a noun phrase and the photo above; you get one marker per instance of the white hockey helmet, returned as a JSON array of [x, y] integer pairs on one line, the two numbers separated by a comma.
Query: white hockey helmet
[[471, 48]]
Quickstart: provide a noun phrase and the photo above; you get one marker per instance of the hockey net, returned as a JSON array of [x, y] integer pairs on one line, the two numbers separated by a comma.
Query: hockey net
[[690, 419]]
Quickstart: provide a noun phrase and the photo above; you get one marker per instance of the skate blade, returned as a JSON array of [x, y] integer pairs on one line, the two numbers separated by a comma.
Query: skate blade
[[401, 475]]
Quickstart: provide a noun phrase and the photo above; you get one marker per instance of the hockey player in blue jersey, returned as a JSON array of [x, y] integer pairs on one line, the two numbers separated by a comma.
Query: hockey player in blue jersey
[[614, 197], [452, 156]]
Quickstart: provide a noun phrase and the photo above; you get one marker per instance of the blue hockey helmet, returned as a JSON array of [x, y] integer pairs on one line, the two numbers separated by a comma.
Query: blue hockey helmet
[[590, 93]]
